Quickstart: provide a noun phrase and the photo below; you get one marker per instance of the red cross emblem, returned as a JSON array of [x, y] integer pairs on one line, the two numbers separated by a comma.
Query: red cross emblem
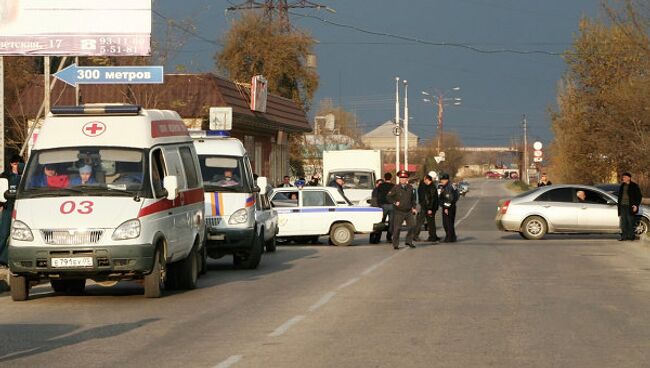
[[94, 128]]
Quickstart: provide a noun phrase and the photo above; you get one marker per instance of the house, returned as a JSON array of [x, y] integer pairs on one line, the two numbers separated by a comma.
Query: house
[[383, 138], [264, 134]]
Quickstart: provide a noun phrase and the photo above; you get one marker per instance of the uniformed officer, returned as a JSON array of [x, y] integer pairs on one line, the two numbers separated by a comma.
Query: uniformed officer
[[448, 198], [402, 196]]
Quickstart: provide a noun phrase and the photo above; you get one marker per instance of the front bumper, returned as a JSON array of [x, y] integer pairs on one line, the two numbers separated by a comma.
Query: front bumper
[[228, 240], [110, 261]]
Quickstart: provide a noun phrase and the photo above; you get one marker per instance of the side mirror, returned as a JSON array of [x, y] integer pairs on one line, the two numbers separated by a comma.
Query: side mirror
[[4, 187], [262, 182], [170, 183]]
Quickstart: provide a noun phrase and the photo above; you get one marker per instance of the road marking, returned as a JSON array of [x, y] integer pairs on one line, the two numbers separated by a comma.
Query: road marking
[[326, 298], [471, 208], [286, 326], [348, 283], [233, 359]]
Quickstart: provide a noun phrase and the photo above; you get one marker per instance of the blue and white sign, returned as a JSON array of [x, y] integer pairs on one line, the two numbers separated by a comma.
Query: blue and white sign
[[74, 75]]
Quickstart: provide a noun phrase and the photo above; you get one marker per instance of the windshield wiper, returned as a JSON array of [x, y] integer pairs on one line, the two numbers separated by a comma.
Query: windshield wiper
[[46, 191], [212, 187]]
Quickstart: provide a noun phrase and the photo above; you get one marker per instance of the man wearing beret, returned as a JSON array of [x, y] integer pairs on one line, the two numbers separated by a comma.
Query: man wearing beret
[[402, 196], [448, 198]]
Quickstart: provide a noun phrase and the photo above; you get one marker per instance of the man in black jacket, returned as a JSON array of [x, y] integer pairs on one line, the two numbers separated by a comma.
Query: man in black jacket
[[448, 199], [382, 192], [428, 198], [402, 196], [629, 200]]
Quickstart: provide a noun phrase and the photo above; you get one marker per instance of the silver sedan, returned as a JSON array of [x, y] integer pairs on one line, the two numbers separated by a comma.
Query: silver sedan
[[564, 209]]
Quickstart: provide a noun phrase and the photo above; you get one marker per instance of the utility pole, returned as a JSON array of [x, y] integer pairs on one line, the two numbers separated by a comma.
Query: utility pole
[[278, 9], [406, 125], [441, 113], [525, 171], [396, 129]]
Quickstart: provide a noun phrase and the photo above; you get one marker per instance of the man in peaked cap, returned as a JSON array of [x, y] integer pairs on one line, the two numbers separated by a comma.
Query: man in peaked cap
[[448, 198], [402, 196]]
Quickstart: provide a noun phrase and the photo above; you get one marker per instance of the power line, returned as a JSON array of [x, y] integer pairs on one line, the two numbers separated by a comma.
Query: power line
[[426, 42], [173, 23]]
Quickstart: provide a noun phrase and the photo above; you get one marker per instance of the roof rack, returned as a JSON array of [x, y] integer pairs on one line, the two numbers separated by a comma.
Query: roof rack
[[97, 109]]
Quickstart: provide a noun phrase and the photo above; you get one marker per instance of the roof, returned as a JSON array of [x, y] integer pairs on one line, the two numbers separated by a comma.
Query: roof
[[385, 131], [219, 146], [191, 95]]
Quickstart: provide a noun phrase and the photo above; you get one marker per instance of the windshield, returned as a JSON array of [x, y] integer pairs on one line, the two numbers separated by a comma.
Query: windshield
[[354, 179], [223, 173], [93, 170]]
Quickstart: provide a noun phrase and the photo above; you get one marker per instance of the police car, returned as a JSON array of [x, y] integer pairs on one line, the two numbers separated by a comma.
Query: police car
[[316, 211]]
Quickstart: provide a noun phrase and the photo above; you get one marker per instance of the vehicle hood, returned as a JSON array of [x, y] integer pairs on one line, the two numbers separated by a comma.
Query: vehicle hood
[[358, 196], [76, 212]]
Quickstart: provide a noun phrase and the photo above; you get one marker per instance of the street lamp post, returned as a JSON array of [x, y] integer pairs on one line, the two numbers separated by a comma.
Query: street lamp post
[[396, 130], [440, 100], [406, 125]]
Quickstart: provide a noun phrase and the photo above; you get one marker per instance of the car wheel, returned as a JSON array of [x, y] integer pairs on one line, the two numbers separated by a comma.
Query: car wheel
[[342, 235], [642, 226], [252, 260], [534, 228], [153, 282], [272, 244], [188, 270], [521, 233], [204, 260], [19, 288]]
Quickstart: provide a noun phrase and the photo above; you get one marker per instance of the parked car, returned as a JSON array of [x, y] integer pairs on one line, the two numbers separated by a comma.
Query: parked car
[[557, 209], [493, 175], [463, 187], [314, 211]]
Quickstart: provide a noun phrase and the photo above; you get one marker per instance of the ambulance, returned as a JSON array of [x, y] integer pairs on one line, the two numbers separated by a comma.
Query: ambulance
[[110, 193], [231, 194]]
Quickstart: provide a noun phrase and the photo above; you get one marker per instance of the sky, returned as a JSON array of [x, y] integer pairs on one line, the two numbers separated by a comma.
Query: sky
[[357, 69]]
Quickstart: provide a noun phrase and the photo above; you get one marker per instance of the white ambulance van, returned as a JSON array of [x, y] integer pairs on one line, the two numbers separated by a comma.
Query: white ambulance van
[[110, 192], [230, 197]]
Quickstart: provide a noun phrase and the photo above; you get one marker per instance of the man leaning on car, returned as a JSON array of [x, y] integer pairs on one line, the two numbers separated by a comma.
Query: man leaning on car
[[630, 197]]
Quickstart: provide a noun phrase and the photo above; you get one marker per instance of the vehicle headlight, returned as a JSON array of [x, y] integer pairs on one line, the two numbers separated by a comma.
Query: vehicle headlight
[[239, 217], [20, 231], [128, 230]]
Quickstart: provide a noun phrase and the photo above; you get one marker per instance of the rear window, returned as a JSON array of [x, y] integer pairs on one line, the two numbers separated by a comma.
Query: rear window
[[521, 195]]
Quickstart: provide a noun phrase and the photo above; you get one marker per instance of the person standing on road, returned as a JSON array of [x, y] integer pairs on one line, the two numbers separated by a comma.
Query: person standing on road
[[428, 198], [629, 195], [448, 199], [402, 196], [544, 181], [385, 205], [13, 174]]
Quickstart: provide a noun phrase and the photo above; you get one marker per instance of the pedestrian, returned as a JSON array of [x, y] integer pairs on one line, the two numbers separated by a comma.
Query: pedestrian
[[315, 180], [338, 184], [385, 205], [13, 173], [544, 181], [286, 182], [428, 199], [448, 198], [374, 196], [402, 196], [629, 195]]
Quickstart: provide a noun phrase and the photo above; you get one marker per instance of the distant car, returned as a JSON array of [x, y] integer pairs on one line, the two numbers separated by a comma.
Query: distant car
[[463, 187], [493, 175], [314, 211], [557, 209], [267, 216]]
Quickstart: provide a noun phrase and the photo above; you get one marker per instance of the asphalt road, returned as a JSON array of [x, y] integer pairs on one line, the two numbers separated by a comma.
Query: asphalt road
[[493, 299]]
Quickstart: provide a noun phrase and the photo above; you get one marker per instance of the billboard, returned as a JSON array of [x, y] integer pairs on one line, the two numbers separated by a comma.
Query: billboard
[[259, 93], [75, 27]]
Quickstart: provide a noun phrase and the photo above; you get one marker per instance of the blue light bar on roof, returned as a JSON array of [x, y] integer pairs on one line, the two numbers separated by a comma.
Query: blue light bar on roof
[[96, 110], [217, 133]]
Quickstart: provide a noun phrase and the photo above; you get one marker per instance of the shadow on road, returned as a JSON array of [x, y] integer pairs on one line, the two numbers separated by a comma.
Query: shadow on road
[[47, 337]]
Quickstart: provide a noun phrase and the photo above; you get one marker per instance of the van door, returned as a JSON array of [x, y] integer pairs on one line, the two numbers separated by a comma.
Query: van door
[[162, 221], [193, 181], [182, 217]]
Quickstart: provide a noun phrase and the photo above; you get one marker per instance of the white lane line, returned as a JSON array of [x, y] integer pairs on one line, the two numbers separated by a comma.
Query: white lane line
[[348, 283], [286, 326], [468, 212], [232, 360], [326, 298]]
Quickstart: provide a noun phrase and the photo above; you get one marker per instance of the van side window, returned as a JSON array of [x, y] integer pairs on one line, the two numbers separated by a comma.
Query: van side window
[[158, 172], [190, 168]]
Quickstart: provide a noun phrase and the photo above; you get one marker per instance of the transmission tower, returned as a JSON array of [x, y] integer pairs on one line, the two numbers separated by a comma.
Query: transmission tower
[[278, 9]]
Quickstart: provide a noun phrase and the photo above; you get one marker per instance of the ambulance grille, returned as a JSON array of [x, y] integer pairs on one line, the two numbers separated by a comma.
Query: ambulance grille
[[212, 221], [71, 237]]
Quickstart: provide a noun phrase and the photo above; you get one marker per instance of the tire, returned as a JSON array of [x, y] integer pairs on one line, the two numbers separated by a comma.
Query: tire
[[252, 260], [522, 235], [74, 286], [534, 228], [642, 226], [204, 260], [272, 245], [19, 288], [188, 270], [342, 235], [154, 282]]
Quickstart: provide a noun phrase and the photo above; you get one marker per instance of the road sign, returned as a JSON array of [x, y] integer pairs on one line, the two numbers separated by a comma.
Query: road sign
[[537, 145], [538, 153], [74, 75], [397, 131], [537, 159], [221, 118], [439, 159]]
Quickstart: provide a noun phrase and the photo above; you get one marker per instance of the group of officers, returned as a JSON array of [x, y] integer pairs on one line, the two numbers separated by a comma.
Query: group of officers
[[399, 203]]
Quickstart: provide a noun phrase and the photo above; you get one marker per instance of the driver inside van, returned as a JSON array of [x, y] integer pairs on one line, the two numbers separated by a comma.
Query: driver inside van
[[85, 176], [228, 179], [49, 178]]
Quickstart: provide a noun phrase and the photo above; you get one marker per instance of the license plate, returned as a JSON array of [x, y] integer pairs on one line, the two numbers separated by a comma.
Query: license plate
[[217, 237], [72, 262]]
